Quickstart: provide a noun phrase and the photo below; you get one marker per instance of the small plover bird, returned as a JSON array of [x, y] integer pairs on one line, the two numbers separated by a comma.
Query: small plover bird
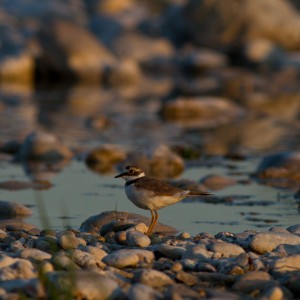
[[150, 193]]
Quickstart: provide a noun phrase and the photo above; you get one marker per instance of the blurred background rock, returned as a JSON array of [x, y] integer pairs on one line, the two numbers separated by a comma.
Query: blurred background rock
[[188, 74]]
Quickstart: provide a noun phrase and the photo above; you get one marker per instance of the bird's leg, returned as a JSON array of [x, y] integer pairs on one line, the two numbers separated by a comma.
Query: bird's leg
[[152, 221], [155, 218]]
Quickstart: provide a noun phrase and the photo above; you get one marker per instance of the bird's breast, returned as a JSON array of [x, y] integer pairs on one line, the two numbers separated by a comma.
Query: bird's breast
[[138, 197]]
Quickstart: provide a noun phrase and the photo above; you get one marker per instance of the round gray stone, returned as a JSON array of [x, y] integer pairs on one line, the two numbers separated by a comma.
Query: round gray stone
[[137, 239], [226, 249]]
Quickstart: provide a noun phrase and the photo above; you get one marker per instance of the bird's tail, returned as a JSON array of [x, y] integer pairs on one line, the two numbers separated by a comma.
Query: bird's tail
[[199, 193]]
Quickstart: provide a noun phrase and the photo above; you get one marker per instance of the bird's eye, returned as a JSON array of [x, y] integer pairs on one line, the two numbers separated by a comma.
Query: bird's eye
[[131, 171]]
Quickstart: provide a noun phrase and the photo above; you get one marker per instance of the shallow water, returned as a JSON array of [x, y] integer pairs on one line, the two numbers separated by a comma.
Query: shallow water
[[78, 193]]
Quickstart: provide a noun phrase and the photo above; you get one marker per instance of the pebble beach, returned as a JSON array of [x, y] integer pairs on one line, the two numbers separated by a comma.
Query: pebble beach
[[121, 262]]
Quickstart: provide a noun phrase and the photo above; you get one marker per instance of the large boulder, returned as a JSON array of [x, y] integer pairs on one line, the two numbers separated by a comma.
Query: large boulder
[[95, 223]]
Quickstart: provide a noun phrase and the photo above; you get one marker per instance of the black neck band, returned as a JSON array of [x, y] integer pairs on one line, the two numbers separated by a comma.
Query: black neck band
[[131, 182]]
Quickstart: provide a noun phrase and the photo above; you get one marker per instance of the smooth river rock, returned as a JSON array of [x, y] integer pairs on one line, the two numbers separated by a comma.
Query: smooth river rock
[[197, 252], [153, 278], [128, 258], [226, 249], [137, 239], [263, 242], [287, 264], [34, 254], [173, 252]]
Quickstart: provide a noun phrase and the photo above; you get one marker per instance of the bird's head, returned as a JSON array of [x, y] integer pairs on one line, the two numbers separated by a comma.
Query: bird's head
[[131, 173]]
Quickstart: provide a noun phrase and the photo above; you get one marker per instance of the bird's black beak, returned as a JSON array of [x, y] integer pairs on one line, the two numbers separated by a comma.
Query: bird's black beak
[[118, 176]]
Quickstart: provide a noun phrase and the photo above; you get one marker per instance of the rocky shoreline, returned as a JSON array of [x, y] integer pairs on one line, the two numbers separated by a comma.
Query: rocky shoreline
[[124, 263]]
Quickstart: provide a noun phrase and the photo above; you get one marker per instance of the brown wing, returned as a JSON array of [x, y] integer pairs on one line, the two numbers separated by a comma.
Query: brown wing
[[159, 187]]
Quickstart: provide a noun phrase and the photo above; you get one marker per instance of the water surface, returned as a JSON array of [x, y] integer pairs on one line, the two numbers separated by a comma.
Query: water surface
[[79, 193]]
